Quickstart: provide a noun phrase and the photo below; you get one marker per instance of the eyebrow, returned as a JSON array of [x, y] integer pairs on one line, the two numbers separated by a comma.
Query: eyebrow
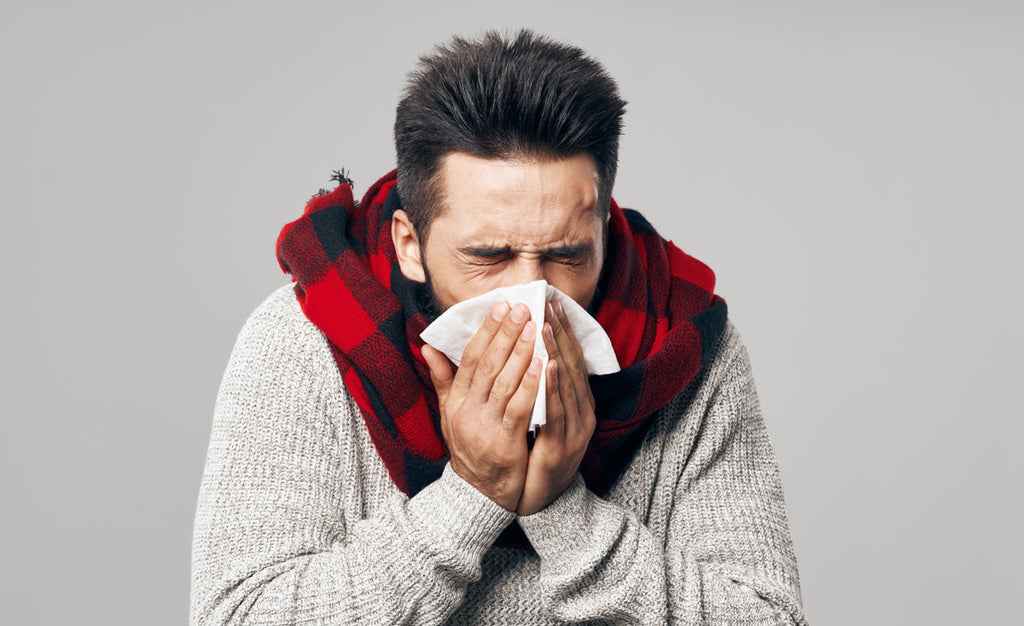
[[575, 250], [485, 252], [493, 252]]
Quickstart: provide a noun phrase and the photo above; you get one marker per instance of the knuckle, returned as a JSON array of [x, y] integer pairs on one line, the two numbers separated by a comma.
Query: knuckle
[[556, 327], [569, 392], [511, 329], [488, 368], [508, 427], [490, 324], [515, 410], [556, 411], [525, 346], [575, 349], [470, 358], [502, 389]]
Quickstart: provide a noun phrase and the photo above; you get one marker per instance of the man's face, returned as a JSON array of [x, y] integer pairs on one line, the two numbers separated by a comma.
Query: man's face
[[506, 223]]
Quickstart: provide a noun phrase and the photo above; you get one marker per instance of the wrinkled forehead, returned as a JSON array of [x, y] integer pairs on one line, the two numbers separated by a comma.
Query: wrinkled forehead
[[519, 201]]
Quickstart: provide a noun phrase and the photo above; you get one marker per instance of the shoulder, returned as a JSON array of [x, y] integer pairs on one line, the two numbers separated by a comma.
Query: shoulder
[[729, 359], [279, 320], [679, 425], [279, 342], [280, 312], [725, 364], [281, 378], [720, 402]]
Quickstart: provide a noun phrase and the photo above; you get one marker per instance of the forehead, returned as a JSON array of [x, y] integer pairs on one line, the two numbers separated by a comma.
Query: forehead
[[519, 202]]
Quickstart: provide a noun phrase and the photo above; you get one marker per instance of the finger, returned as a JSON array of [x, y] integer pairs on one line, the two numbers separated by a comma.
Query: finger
[[516, 420], [567, 395], [511, 376], [441, 375], [570, 349], [497, 353], [554, 427], [477, 347]]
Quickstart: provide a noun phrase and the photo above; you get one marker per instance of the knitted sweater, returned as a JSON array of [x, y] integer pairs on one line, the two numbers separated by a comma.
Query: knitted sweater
[[299, 523]]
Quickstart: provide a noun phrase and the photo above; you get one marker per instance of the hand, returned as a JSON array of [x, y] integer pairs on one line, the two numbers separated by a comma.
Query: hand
[[485, 407], [561, 442]]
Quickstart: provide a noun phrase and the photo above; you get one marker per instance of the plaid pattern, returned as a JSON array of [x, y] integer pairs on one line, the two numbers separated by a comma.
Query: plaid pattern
[[656, 303]]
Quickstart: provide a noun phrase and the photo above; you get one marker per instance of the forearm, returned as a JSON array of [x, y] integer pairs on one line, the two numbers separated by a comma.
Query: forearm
[[410, 563], [714, 545], [598, 561], [711, 594], [297, 518], [728, 551]]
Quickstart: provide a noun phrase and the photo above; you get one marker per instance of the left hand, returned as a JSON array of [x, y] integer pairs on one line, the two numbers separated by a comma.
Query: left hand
[[561, 442]]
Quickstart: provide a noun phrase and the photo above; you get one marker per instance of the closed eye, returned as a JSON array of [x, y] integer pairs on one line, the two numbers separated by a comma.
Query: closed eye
[[570, 255], [575, 255], [486, 256]]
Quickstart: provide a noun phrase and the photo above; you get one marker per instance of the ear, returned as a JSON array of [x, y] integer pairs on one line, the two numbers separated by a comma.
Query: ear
[[407, 247]]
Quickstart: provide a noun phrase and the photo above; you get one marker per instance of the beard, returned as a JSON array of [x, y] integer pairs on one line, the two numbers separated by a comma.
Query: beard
[[427, 298]]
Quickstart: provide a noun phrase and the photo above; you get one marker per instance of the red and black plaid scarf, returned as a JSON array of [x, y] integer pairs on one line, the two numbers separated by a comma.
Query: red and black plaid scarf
[[656, 303]]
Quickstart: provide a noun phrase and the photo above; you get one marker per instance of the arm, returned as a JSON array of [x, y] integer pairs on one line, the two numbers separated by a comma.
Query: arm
[[276, 540], [728, 530], [718, 550]]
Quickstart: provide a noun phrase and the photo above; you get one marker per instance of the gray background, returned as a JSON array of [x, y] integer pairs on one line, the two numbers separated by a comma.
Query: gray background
[[852, 171]]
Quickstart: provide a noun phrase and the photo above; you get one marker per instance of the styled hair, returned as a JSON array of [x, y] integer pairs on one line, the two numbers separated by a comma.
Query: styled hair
[[526, 96]]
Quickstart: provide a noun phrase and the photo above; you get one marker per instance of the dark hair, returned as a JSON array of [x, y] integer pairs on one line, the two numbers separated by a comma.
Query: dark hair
[[497, 97]]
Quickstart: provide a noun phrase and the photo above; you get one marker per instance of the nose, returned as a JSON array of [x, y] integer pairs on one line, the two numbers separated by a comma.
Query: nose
[[528, 270]]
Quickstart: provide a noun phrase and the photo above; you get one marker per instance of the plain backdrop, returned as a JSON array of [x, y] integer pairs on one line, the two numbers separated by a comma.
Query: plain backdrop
[[851, 170]]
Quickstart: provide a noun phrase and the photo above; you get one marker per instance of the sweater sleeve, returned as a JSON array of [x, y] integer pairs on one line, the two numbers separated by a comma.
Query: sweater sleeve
[[273, 542], [726, 556]]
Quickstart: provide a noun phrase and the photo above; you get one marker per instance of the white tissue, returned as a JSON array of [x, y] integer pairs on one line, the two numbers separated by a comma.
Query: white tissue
[[451, 332]]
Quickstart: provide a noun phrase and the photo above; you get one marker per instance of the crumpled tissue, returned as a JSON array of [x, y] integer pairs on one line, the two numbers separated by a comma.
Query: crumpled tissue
[[451, 332]]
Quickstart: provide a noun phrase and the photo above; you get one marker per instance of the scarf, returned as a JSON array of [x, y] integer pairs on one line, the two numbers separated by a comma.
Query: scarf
[[656, 303]]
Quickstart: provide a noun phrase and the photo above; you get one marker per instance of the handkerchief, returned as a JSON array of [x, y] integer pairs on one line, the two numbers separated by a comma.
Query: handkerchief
[[451, 332]]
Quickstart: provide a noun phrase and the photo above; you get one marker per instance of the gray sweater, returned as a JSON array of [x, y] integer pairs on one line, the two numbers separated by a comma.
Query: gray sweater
[[299, 523]]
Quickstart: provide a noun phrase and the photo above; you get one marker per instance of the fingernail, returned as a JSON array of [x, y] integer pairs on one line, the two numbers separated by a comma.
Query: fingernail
[[529, 331], [520, 313], [499, 311], [559, 310], [549, 312], [548, 333], [534, 366]]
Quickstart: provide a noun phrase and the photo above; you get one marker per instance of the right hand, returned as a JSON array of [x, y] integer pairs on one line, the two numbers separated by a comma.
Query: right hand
[[485, 406]]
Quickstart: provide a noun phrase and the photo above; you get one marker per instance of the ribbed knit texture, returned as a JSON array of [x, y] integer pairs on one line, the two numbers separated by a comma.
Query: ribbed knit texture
[[298, 521]]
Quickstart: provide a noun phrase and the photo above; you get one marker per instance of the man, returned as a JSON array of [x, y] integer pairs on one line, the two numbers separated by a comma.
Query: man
[[355, 475]]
